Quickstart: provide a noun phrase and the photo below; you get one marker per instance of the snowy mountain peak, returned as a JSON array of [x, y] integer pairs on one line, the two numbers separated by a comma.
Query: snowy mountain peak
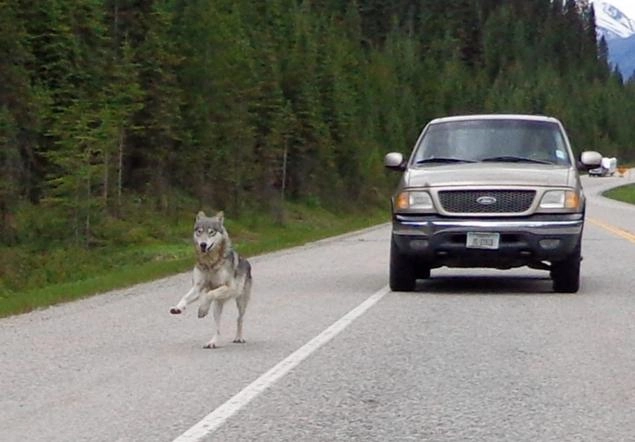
[[615, 21], [613, 18]]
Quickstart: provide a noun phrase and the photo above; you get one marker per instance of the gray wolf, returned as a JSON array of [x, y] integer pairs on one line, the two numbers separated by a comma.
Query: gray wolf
[[219, 275]]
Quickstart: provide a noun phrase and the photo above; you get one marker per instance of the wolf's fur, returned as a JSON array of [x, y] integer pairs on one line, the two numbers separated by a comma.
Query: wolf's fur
[[220, 274]]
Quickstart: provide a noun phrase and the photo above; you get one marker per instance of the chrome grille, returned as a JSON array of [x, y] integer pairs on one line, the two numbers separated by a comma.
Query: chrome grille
[[496, 201]]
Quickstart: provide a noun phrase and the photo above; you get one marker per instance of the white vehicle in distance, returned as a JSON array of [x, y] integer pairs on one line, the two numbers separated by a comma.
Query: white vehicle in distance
[[608, 166]]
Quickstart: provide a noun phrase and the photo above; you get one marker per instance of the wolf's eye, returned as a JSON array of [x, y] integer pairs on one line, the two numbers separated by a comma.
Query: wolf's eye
[[212, 232], [198, 231]]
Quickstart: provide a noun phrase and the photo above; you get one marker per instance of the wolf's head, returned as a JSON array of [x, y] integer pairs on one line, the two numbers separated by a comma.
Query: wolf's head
[[209, 232]]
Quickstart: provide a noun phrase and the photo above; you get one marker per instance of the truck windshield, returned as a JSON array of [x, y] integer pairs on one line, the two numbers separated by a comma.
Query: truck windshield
[[493, 140]]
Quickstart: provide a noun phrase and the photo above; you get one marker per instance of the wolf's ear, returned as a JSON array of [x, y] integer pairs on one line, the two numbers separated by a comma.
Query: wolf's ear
[[220, 216], [200, 215]]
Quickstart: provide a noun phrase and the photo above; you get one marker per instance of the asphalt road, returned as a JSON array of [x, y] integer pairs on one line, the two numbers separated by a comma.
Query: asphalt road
[[331, 354]]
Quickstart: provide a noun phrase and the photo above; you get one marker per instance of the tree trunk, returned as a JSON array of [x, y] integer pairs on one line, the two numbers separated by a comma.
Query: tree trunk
[[106, 180], [120, 171]]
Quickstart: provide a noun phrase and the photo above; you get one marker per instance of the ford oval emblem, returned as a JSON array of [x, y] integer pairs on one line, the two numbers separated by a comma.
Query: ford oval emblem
[[486, 200]]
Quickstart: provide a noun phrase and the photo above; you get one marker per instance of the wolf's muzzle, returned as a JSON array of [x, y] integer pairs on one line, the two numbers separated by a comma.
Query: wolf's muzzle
[[203, 247]]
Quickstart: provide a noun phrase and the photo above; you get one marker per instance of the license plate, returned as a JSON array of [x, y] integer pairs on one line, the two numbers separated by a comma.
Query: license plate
[[482, 240]]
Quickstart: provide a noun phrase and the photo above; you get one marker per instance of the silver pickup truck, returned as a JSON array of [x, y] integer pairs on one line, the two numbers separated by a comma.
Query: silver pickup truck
[[497, 191]]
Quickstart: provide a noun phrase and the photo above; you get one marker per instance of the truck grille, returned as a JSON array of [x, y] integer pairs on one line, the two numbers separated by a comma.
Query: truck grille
[[486, 201]]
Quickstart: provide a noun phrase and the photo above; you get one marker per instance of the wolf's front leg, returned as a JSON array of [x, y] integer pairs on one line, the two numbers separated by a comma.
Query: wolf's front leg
[[207, 298], [189, 297], [218, 310]]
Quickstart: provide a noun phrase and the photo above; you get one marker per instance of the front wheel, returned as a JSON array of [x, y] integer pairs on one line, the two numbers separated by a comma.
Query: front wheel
[[402, 270], [422, 269], [566, 273]]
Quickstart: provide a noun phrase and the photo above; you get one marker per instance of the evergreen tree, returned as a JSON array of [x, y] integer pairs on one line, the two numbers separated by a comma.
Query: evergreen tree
[[151, 128], [218, 85], [70, 44], [16, 121], [603, 59]]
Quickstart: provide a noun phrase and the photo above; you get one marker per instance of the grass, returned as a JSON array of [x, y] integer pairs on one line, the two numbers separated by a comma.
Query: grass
[[117, 267], [623, 193]]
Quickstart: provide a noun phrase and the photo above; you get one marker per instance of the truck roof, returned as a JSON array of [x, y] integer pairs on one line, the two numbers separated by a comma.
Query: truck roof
[[495, 117]]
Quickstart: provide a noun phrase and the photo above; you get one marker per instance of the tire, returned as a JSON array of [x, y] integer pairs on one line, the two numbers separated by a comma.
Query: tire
[[402, 270], [566, 273], [422, 270]]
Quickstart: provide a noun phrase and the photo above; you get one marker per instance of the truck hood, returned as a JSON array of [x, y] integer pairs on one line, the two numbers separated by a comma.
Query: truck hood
[[491, 174]]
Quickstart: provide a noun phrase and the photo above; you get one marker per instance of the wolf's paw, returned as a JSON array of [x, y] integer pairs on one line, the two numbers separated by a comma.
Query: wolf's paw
[[202, 311], [211, 345], [239, 341], [176, 310]]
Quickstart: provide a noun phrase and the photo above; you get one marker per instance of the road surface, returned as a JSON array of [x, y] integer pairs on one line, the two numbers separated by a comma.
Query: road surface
[[332, 354]]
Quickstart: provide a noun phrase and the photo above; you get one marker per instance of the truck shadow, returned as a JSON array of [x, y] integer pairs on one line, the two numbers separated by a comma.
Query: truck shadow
[[486, 284]]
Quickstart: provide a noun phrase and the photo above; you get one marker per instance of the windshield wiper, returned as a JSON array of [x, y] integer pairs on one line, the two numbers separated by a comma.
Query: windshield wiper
[[514, 159], [444, 160]]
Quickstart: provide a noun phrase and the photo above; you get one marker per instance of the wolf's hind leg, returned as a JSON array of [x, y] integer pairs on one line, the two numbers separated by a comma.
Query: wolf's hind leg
[[241, 304], [218, 310]]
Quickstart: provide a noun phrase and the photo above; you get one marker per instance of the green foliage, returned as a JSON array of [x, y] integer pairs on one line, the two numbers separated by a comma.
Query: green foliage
[[623, 193]]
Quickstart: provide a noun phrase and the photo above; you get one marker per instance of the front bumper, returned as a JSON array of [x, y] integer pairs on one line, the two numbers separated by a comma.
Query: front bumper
[[441, 241]]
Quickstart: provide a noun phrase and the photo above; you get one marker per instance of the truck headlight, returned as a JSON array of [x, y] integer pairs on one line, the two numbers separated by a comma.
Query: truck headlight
[[560, 199], [417, 200]]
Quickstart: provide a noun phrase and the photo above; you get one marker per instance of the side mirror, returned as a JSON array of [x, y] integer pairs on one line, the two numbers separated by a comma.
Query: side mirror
[[590, 159], [394, 161]]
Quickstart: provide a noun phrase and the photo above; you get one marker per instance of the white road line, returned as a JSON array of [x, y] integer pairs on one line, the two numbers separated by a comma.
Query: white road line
[[216, 418]]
